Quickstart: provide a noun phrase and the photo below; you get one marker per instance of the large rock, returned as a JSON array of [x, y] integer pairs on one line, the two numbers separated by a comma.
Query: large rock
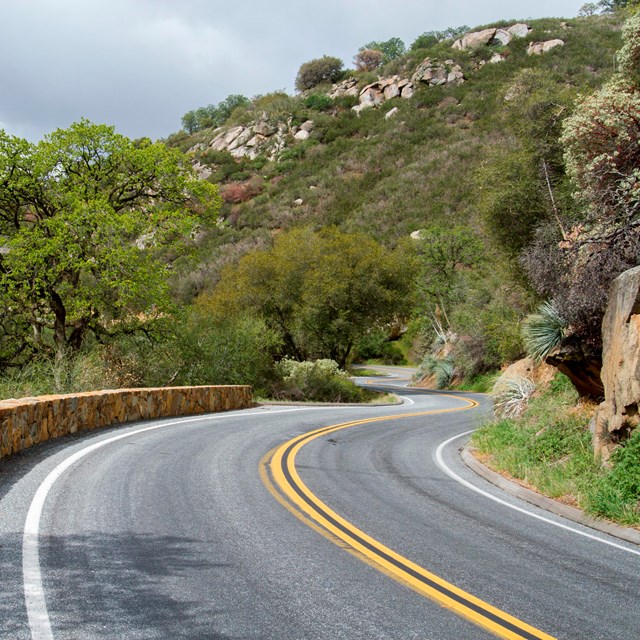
[[502, 36], [538, 48], [436, 73], [475, 39], [519, 30], [618, 415], [348, 87]]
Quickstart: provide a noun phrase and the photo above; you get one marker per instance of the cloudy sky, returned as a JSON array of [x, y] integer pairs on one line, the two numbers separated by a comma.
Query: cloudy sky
[[141, 64]]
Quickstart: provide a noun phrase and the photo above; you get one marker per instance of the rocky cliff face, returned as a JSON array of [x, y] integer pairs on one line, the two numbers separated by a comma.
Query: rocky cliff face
[[618, 415]]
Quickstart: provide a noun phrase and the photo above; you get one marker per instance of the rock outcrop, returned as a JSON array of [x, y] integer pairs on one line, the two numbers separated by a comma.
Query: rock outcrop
[[436, 73], [618, 415], [493, 36], [260, 138], [538, 48], [429, 72], [348, 87]]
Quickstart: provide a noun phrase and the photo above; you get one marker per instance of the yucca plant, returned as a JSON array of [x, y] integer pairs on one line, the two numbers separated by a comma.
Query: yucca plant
[[543, 331], [513, 397], [442, 370]]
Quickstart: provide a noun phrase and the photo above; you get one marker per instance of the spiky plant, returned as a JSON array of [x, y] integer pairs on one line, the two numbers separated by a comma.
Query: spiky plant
[[543, 331], [512, 398]]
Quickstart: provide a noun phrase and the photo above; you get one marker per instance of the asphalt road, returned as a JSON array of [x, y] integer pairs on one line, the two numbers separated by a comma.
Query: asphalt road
[[171, 532]]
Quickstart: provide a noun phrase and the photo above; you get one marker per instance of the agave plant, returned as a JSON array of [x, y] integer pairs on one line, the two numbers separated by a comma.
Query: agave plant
[[543, 331]]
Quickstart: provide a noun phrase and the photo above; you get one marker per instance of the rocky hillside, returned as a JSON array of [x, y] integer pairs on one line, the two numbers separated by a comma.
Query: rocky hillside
[[415, 145]]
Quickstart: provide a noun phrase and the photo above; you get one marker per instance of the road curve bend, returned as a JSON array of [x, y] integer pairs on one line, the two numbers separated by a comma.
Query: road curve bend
[[210, 528]]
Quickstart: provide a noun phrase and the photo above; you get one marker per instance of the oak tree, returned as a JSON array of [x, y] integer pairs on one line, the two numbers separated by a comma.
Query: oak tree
[[80, 214]]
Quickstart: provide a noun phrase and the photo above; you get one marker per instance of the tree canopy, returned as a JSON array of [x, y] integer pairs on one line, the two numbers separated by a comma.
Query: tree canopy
[[391, 49], [320, 292], [212, 115], [80, 214], [318, 71]]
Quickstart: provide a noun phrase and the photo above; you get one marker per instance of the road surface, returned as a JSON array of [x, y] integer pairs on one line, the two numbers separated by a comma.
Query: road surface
[[196, 528]]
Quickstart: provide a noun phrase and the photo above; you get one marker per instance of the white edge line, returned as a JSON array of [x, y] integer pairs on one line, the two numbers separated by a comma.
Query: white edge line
[[441, 463], [35, 601]]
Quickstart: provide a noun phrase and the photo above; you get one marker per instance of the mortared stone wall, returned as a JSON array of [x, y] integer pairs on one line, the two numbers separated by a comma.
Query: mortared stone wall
[[28, 421]]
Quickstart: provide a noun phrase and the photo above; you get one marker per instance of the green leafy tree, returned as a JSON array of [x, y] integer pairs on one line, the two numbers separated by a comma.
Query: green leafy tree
[[190, 122], [525, 185], [429, 38], [76, 211], [320, 292], [319, 71], [391, 49], [444, 256], [213, 115]]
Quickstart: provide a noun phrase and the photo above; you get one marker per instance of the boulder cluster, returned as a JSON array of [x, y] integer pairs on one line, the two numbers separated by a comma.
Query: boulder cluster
[[429, 72], [501, 36], [260, 138], [265, 139]]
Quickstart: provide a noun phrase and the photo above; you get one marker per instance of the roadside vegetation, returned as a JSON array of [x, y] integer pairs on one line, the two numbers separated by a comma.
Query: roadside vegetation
[[549, 449], [119, 268]]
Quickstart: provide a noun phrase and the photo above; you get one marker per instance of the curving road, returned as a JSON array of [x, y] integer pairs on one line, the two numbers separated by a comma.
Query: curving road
[[187, 529]]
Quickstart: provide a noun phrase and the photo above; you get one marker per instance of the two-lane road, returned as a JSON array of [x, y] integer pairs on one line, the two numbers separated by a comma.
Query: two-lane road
[[186, 529]]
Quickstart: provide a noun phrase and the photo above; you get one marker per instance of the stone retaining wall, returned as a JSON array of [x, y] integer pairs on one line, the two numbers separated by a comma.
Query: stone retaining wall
[[29, 421]]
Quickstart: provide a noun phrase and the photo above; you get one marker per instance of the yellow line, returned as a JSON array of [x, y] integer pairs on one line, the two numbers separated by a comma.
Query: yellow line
[[292, 493]]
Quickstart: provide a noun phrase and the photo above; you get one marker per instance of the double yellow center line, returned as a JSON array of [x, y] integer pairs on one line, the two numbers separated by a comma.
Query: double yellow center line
[[279, 474]]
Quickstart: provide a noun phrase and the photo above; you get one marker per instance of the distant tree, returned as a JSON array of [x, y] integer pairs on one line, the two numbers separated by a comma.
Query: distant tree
[[75, 212], [321, 292], [190, 122], [319, 71], [368, 59], [212, 115], [525, 185], [391, 49], [444, 254], [429, 38], [588, 9], [607, 6]]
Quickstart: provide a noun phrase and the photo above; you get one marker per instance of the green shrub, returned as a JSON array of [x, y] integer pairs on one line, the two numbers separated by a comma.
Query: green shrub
[[318, 102], [616, 494], [319, 380], [318, 71], [86, 371]]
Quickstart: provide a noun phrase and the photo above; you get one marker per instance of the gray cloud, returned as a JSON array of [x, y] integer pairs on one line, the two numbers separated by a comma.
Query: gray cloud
[[141, 64]]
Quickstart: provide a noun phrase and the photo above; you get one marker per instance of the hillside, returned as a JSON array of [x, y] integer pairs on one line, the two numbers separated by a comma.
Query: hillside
[[449, 157]]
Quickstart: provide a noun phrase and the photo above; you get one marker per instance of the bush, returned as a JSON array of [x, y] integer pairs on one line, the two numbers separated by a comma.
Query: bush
[[320, 380], [315, 72], [617, 493], [318, 102], [196, 350]]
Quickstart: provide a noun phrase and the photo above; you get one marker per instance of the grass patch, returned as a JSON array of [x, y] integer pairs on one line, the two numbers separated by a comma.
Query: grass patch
[[482, 383], [367, 373], [549, 448]]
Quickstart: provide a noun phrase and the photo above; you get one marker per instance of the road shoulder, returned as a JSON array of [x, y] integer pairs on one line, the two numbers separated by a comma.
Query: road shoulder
[[566, 511]]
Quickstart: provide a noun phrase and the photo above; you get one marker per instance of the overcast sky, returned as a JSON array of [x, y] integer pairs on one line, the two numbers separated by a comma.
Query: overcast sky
[[141, 64]]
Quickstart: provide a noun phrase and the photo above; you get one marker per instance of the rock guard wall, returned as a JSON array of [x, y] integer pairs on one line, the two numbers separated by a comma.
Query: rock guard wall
[[28, 421]]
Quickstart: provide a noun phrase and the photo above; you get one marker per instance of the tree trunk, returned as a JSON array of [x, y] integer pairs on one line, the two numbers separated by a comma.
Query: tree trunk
[[60, 323]]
